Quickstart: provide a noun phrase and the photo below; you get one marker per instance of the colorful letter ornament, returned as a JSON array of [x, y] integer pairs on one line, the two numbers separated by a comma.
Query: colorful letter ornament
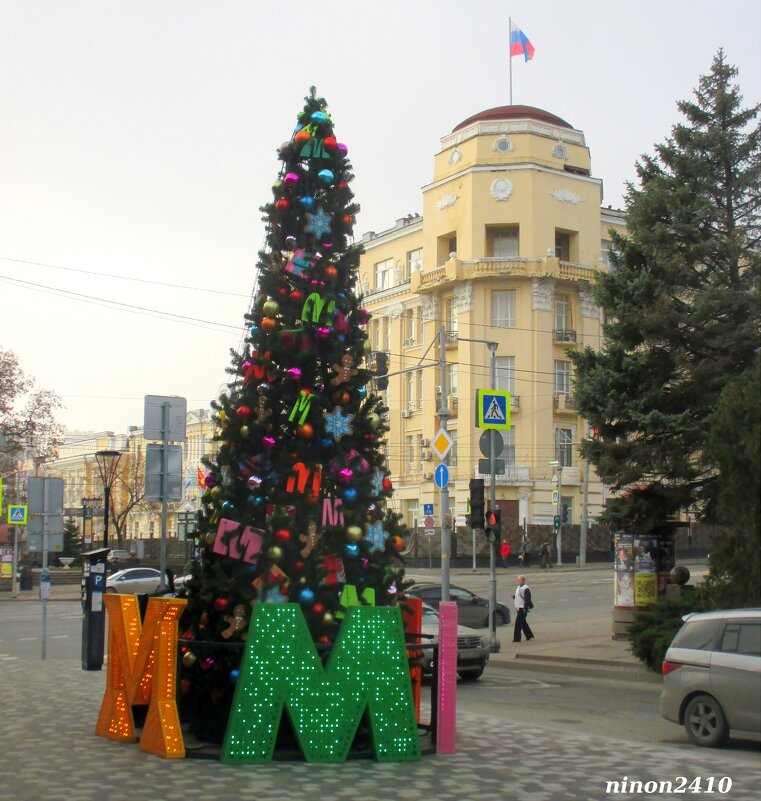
[[142, 669], [281, 668]]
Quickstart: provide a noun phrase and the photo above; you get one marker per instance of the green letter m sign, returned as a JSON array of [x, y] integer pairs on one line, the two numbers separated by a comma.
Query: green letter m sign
[[367, 668]]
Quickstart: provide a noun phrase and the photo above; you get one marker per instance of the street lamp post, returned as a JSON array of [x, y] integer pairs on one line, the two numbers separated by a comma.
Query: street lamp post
[[107, 462]]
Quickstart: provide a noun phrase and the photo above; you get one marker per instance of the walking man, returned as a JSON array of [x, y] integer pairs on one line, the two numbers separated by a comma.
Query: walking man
[[522, 598]]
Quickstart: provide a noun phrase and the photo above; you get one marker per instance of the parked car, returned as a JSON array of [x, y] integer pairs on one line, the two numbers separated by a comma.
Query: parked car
[[472, 610], [134, 580], [712, 675], [472, 648]]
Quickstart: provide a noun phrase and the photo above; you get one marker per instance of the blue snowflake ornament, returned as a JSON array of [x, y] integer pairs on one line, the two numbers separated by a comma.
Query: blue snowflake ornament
[[377, 537], [337, 423], [376, 484], [318, 223]]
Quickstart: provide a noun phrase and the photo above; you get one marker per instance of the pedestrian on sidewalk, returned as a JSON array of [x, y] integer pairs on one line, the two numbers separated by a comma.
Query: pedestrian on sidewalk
[[522, 598]]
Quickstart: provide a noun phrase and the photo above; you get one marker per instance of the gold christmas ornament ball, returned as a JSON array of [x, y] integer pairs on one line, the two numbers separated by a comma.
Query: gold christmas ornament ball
[[271, 307], [274, 553], [189, 659], [244, 431], [354, 533], [373, 420], [328, 618]]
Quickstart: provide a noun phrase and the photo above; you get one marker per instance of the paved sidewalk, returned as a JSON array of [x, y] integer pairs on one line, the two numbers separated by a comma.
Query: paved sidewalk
[[50, 752]]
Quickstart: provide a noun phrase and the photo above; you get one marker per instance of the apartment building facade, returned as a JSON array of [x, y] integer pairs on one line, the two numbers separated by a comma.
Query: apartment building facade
[[508, 246]]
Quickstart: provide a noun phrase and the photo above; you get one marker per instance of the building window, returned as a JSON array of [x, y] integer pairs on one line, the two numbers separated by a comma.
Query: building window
[[563, 319], [410, 376], [412, 326], [502, 242], [450, 319], [445, 245], [562, 377], [503, 308], [383, 273], [386, 341], [505, 373], [414, 261], [508, 452], [452, 455], [562, 246], [605, 248], [452, 379], [413, 453], [564, 446]]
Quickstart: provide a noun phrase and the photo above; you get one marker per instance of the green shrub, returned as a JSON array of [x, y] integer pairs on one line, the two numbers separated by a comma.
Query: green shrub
[[652, 631]]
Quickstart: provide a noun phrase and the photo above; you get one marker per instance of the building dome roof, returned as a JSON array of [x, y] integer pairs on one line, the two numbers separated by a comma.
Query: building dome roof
[[514, 113]]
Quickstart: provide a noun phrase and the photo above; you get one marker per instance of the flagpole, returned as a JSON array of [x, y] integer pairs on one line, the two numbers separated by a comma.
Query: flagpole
[[510, 54]]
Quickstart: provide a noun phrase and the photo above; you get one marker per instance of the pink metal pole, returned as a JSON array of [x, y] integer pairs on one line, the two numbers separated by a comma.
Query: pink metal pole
[[446, 734]]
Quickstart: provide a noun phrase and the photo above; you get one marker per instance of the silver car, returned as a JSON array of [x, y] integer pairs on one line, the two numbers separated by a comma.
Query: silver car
[[472, 649], [134, 580], [712, 675]]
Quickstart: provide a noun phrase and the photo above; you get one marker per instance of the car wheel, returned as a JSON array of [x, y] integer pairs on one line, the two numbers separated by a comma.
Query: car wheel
[[705, 722], [499, 618], [472, 675]]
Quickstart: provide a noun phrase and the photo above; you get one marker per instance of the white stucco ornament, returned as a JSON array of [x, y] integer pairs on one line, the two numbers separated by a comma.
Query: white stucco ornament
[[446, 201], [501, 188], [566, 196]]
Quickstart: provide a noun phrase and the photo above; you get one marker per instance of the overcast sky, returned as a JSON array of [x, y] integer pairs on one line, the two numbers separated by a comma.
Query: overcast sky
[[138, 140]]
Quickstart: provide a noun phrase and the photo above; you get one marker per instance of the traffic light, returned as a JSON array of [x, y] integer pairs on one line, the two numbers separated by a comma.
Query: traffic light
[[494, 525], [476, 519], [565, 513], [556, 522], [381, 369]]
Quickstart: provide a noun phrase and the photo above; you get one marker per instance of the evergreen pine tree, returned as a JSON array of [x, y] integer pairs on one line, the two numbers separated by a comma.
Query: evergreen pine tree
[[682, 310], [295, 508], [72, 538]]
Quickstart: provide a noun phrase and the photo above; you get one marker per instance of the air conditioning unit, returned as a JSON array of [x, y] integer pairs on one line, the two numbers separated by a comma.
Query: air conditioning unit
[[452, 400], [425, 443], [427, 476], [409, 341], [406, 413], [438, 389], [425, 454]]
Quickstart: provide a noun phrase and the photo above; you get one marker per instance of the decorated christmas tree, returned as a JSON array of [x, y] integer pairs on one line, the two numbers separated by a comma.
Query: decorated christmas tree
[[295, 508]]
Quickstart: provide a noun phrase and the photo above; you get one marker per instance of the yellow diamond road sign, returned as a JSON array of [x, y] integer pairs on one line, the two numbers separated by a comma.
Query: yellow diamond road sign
[[441, 443]]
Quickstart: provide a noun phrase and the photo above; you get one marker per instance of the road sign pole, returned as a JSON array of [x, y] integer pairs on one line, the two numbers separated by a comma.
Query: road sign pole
[[446, 533], [494, 644], [164, 488]]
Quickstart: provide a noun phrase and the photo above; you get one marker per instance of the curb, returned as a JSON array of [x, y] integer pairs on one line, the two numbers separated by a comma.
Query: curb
[[599, 668]]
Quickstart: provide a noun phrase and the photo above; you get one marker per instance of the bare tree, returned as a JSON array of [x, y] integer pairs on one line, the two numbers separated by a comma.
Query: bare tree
[[129, 489]]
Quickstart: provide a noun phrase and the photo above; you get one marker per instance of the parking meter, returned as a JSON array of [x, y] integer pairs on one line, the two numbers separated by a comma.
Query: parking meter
[[93, 610]]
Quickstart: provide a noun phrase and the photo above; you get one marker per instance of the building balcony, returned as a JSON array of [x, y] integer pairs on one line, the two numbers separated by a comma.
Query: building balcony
[[514, 474], [564, 403], [563, 335]]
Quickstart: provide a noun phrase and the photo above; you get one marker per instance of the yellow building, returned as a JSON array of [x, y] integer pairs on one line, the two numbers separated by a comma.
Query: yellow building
[[511, 237]]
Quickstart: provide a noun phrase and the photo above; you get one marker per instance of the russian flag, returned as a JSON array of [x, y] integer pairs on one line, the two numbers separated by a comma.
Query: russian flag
[[519, 43]]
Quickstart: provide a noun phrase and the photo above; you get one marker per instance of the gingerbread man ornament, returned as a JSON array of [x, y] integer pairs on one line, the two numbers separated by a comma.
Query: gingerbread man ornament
[[344, 371], [310, 539]]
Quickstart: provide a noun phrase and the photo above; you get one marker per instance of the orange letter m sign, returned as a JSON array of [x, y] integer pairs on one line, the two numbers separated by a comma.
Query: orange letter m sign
[[142, 669]]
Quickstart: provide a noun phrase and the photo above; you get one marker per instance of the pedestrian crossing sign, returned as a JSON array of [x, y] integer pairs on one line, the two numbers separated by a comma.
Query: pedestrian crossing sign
[[16, 515], [492, 408]]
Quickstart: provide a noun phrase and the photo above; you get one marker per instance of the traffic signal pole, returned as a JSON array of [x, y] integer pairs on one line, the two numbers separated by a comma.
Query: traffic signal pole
[[446, 532], [494, 644]]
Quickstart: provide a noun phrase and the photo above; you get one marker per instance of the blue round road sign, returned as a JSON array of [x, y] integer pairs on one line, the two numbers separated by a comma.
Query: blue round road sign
[[441, 476]]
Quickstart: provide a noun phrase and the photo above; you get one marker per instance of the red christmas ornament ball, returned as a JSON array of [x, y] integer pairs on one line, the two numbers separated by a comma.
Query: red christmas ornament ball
[[221, 604], [331, 272], [282, 204], [387, 485], [396, 544], [297, 296], [269, 323], [282, 535], [318, 609], [330, 143], [243, 412], [298, 567]]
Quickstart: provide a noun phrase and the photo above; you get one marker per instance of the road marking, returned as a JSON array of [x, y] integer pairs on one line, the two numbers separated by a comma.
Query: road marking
[[26, 639], [60, 637]]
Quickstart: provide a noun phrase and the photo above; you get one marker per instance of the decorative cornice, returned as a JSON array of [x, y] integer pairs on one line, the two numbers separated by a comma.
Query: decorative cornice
[[446, 201], [566, 196], [463, 296]]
